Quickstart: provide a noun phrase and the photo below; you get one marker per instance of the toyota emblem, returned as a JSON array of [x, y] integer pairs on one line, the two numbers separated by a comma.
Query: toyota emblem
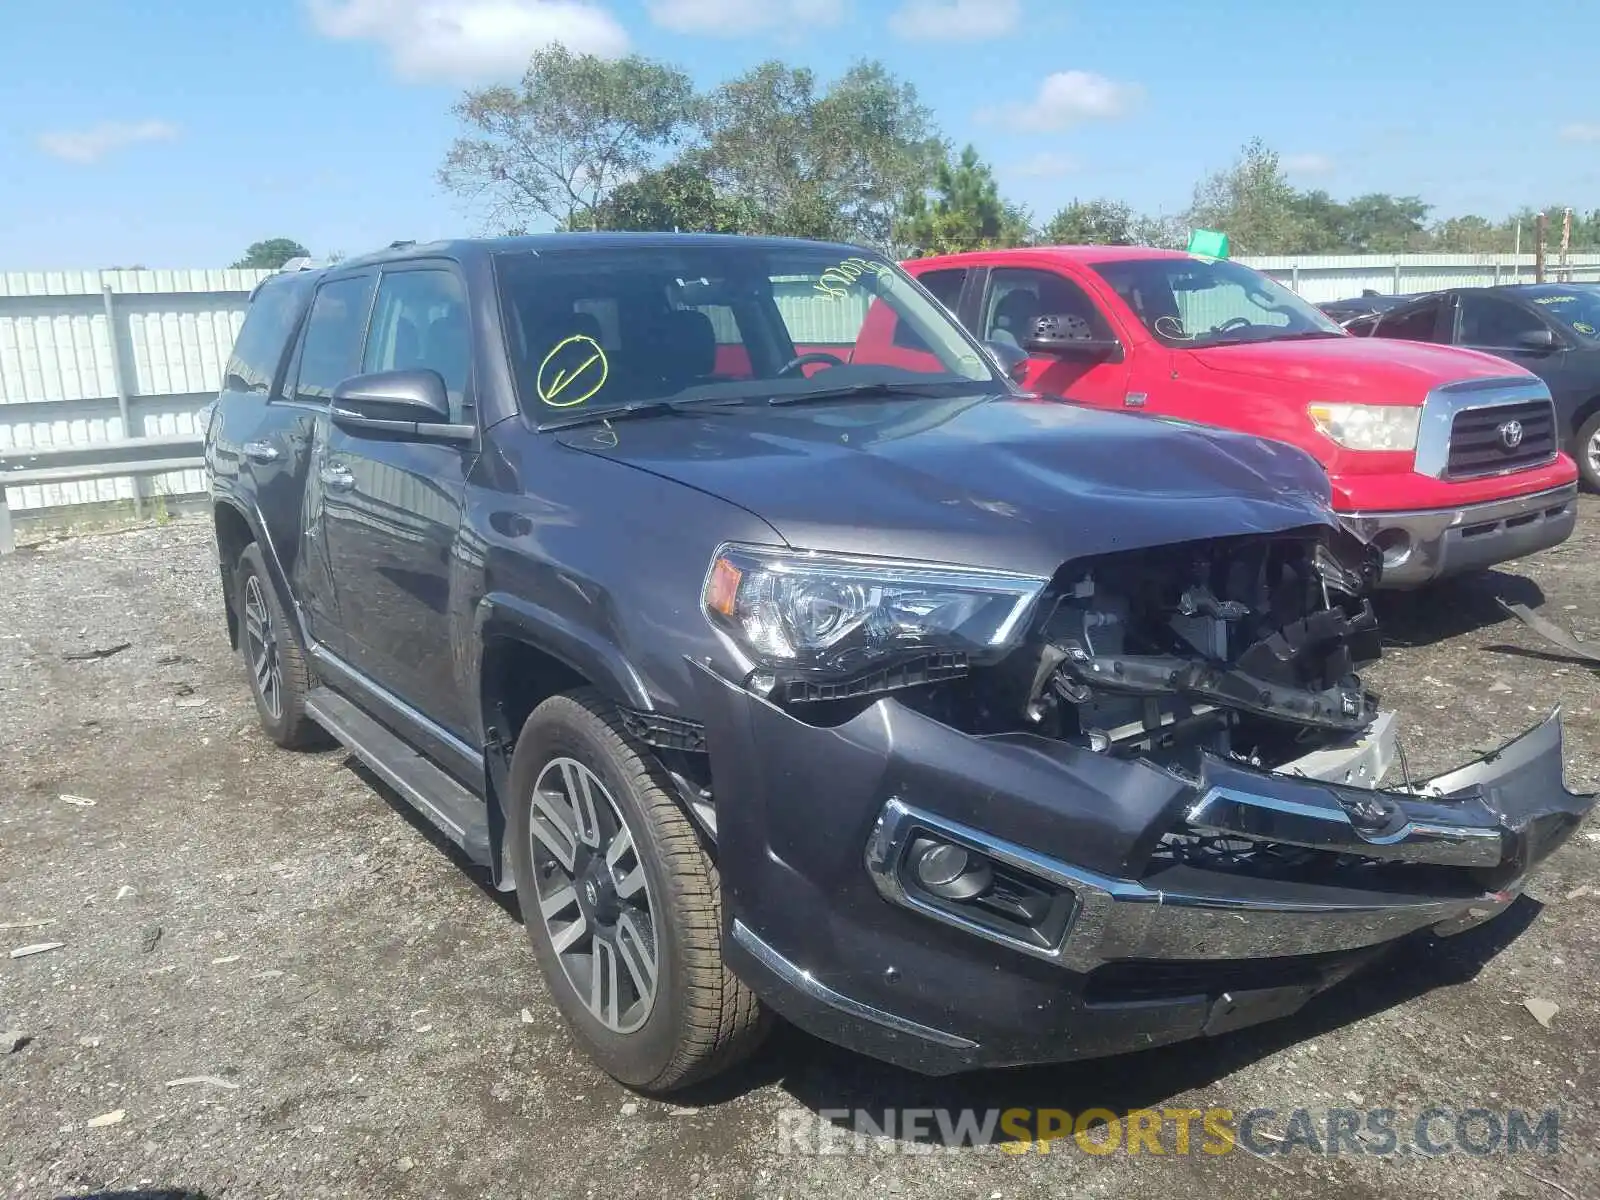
[[1510, 434]]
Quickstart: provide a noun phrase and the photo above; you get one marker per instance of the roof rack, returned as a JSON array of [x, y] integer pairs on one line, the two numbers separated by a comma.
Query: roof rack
[[301, 264]]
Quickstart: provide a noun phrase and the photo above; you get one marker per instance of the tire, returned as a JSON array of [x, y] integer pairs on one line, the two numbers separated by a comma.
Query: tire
[[1586, 450], [630, 879], [274, 659]]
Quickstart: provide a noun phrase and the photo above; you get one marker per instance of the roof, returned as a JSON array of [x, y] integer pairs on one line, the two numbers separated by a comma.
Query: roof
[[1082, 254], [468, 247]]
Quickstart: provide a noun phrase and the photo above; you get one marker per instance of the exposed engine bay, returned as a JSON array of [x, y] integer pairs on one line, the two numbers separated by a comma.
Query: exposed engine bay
[[1246, 647]]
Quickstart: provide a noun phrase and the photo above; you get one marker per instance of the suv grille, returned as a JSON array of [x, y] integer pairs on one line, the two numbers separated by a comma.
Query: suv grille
[[1485, 441]]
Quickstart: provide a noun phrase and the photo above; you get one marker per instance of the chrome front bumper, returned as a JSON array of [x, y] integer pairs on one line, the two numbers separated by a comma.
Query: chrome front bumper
[[1425, 545], [1497, 817]]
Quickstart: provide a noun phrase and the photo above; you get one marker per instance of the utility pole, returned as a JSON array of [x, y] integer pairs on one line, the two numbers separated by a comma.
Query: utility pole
[[1541, 228], [1516, 254], [1566, 244]]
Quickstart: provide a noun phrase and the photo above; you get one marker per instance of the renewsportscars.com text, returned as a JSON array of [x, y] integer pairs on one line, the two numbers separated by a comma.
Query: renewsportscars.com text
[[1381, 1132]]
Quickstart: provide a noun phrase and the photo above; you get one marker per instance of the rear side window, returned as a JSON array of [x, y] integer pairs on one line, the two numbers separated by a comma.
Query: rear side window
[[258, 351], [946, 287], [331, 351]]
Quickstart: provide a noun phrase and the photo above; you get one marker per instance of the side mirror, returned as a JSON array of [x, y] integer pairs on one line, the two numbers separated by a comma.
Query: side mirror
[[1012, 360], [408, 404], [1066, 336], [1537, 339]]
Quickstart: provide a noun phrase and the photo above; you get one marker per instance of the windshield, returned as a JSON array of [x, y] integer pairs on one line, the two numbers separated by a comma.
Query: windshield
[[1212, 302], [1578, 308], [595, 329]]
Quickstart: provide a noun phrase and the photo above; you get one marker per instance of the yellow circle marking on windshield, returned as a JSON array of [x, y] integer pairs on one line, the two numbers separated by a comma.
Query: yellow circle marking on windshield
[[584, 374]]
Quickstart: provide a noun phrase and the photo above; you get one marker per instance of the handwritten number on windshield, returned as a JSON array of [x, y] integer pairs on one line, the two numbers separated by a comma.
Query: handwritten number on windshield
[[836, 280], [573, 371]]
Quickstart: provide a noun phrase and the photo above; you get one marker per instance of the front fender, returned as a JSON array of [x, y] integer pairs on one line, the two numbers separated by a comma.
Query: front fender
[[501, 614]]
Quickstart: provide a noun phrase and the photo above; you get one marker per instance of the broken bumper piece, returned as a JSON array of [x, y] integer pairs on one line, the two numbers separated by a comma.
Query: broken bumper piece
[[946, 902]]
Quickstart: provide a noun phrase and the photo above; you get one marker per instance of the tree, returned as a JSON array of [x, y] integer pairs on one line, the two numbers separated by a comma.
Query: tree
[[271, 254], [577, 126], [1468, 235], [1253, 203], [966, 212], [836, 165], [1090, 223], [677, 197]]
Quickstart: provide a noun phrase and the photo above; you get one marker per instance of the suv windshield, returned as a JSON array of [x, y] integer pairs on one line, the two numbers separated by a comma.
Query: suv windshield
[[594, 329], [1576, 307], [1212, 302]]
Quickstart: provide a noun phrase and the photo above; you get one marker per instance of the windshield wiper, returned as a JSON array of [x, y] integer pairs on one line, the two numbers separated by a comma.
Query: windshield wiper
[[638, 408], [873, 390]]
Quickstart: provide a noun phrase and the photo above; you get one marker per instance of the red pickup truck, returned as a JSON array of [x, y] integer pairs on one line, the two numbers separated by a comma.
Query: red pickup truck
[[1447, 459]]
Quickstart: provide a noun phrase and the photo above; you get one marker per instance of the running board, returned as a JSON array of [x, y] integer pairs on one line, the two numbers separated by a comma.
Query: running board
[[457, 812]]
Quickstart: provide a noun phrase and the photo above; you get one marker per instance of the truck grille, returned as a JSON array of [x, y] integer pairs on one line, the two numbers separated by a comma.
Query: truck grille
[[1486, 441]]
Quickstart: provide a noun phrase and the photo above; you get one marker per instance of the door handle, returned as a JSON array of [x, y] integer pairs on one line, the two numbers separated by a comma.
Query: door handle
[[262, 452], [337, 478]]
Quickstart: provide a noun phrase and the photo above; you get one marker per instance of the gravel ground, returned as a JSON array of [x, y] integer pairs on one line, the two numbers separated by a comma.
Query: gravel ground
[[283, 985]]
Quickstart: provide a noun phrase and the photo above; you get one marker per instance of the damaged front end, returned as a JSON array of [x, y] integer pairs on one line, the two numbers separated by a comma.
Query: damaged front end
[[1150, 792]]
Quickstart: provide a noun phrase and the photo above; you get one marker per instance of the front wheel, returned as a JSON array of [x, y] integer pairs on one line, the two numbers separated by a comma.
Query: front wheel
[[1586, 449], [621, 902]]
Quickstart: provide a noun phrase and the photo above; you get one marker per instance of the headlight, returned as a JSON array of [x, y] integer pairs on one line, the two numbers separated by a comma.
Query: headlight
[[1368, 426], [833, 613]]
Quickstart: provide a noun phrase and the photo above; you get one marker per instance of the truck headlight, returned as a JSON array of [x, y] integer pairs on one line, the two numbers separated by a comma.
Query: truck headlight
[[834, 613], [1368, 426]]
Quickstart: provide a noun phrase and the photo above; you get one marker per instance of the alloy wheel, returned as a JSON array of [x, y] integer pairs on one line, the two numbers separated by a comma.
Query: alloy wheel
[[1592, 453], [593, 896], [261, 643]]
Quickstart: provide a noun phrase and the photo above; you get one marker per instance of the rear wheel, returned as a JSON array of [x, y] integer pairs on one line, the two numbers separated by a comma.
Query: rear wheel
[[274, 658], [1586, 449], [621, 902]]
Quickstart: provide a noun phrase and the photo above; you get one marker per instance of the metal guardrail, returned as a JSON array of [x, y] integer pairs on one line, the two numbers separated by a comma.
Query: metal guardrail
[[97, 460]]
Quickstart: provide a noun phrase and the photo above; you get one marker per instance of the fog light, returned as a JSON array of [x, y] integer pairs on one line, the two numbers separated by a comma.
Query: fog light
[[948, 870], [1396, 547]]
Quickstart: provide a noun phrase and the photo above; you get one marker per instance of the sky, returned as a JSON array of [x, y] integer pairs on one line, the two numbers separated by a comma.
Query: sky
[[173, 133]]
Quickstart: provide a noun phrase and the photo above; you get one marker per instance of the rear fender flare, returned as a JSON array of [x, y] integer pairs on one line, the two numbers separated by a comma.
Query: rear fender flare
[[277, 576]]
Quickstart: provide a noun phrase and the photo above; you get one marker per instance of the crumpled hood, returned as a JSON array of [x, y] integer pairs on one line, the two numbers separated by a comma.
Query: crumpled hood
[[1373, 369], [1002, 482]]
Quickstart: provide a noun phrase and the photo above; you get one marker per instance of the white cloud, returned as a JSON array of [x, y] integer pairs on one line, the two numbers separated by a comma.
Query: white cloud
[[740, 18], [1046, 164], [470, 40], [955, 20], [1068, 98], [1307, 164], [93, 144], [1580, 133]]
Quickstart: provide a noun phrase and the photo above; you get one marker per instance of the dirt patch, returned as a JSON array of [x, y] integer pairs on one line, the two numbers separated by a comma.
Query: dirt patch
[[350, 994]]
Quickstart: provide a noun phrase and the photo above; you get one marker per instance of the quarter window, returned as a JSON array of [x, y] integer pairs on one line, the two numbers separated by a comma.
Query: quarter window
[[258, 351], [331, 351]]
